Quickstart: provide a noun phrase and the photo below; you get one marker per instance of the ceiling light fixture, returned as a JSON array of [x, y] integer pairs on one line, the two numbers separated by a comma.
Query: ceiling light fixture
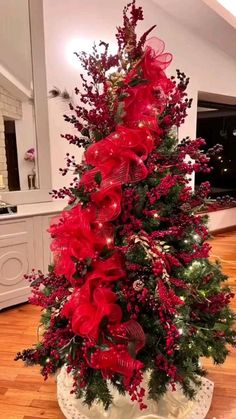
[[229, 5]]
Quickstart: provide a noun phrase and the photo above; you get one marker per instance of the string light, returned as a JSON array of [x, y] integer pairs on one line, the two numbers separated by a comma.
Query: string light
[[195, 264]]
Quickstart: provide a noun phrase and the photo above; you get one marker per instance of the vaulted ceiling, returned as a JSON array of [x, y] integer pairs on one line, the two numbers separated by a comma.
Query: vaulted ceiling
[[207, 18]]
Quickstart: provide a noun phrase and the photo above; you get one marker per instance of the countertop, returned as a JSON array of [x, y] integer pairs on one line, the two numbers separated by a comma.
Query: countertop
[[39, 208]]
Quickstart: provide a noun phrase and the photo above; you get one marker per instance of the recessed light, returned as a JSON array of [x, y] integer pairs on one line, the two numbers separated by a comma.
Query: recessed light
[[229, 5]]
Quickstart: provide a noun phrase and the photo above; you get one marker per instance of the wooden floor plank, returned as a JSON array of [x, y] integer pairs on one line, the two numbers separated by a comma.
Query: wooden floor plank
[[25, 395]]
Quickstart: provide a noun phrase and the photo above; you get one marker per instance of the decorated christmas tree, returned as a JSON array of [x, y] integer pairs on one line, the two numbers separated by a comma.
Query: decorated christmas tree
[[131, 289]]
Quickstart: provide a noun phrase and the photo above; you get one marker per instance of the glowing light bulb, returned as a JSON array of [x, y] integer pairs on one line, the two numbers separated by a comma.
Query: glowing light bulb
[[109, 240], [196, 264], [155, 215], [77, 45], [100, 225], [180, 331]]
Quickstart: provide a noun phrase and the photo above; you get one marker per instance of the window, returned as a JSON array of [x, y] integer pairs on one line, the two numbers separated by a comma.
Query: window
[[216, 123]]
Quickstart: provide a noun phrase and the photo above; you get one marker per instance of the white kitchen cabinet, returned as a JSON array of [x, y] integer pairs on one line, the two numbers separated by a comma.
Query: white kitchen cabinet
[[24, 245]]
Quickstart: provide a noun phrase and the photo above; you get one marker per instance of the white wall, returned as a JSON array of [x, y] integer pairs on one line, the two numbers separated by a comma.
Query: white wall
[[209, 68], [15, 40], [222, 219]]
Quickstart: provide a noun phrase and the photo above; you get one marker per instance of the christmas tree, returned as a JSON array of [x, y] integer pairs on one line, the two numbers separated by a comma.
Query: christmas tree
[[131, 288]]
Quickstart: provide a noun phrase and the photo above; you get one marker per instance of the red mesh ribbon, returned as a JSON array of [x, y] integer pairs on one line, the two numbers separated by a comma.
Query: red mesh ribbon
[[131, 332], [108, 202], [90, 304], [88, 307], [116, 361], [108, 270], [143, 105], [145, 102], [87, 317], [120, 156], [155, 59], [78, 235]]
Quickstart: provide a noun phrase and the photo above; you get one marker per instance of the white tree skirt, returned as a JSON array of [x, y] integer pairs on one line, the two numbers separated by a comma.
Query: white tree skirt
[[173, 405]]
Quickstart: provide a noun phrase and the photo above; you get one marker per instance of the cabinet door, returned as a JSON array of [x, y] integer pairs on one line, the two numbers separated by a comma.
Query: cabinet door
[[47, 254], [16, 259]]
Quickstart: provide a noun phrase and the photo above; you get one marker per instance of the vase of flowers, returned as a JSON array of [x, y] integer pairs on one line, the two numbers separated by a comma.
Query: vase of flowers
[[30, 156]]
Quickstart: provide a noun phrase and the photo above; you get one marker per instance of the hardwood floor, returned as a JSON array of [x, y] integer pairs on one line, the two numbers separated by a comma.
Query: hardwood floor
[[24, 394]]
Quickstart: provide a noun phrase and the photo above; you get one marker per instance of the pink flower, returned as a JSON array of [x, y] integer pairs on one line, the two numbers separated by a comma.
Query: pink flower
[[30, 155]]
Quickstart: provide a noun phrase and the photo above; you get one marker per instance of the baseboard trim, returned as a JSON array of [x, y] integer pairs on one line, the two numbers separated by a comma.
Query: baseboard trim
[[223, 230]]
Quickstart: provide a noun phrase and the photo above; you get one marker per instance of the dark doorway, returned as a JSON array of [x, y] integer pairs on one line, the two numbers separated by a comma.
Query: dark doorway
[[11, 155], [216, 123]]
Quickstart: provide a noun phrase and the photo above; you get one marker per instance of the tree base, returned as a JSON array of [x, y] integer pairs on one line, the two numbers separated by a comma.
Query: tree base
[[173, 405]]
